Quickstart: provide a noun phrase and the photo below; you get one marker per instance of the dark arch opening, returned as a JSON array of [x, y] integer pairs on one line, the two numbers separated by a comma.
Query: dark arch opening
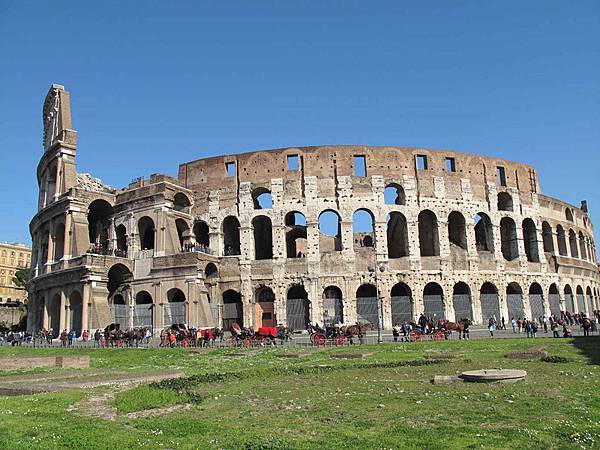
[[429, 242], [582, 249], [146, 231], [505, 201], [433, 301], [183, 232], [76, 310], [484, 234], [295, 236], [297, 308], [457, 230], [461, 299], [211, 271], [562, 242], [569, 214], [99, 219], [573, 244], [530, 240], [367, 306], [508, 236], [231, 236], [59, 241], [363, 228], [121, 233], [181, 202], [397, 235], [142, 312], [547, 237], [263, 237], [201, 234], [233, 311]]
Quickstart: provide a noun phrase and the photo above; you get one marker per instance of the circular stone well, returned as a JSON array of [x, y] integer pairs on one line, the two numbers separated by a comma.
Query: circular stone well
[[493, 375]]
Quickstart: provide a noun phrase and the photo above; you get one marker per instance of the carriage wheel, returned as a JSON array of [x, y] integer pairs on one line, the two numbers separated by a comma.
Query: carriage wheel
[[230, 342], [312, 338], [247, 342], [437, 336], [340, 339], [319, 339], [415, 336], [185, 342]]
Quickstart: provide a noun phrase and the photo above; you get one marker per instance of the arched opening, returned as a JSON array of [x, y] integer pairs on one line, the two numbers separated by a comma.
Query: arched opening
[[429, 242], [262, 198], [54, 325], [231, 236], [333, 309], [265, 307], [330, 232], [457, 230], [99, 219], [183, 233], [297, 308], [573, 244], [233, 310], [569, 214], [121, 233], [263, 237], [146, 232], [76, 312], [582, 249], [461, 299], [363, 228], [589, 301], [580, 300], [490, 304], [505, 201], [508, 236], [367, 308], [514, 301], [394, 195], [547, 237], [484, 234], [562, 242], [295, 236], [402, 305], [433, 301], [397, 235], [554, 300], [536, 301], [530, 241], [569, 303], [174, 309], [201, 235], [181, 202], [211, 272], [59, 241], [142, 311], [119, 279]]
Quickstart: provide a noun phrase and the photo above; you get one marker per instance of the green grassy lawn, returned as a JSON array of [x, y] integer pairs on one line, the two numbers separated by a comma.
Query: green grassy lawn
[[383, 400]]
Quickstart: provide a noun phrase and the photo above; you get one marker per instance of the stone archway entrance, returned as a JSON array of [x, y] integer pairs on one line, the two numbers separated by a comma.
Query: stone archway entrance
[[264, 309]]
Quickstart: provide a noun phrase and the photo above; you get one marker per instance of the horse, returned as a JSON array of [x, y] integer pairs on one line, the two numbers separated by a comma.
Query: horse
[[462, 327], [356, 330]]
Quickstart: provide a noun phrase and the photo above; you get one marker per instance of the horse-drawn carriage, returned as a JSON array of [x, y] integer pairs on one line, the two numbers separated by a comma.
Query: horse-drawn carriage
[[440, 331], [248, 338], [320, 337]]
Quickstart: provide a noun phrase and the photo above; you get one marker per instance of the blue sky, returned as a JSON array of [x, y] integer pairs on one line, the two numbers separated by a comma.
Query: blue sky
[[154, 84]]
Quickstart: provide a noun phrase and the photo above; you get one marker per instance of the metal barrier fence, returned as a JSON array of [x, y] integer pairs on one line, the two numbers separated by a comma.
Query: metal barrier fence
[[536, 301], [580, 303], [569, 303], [332, 310], [367, 310], [554, 300], [515, 306], [119, 314], [402, 310], [233, 312], [433, 306], [490, 307], [142, 315], [174, 313], [297, 313], [462, 306]]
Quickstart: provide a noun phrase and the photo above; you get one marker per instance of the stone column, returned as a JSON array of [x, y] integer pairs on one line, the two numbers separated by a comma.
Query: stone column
[[86, 299], [65, 309], [312, 241], [476, 307], [68, 233]]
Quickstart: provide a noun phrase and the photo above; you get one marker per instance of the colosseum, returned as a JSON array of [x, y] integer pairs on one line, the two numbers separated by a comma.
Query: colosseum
[[286, 236]]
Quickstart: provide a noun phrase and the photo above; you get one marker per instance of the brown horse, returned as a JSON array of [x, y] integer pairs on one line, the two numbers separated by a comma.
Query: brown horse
[[462, 327], [357, 330]]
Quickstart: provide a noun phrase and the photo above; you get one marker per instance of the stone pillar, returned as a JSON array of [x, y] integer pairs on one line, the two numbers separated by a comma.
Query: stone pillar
[[526, 306], [347, 238], [312, 241], [158, 303], [414, 250], [86, 299], [64, 313], [476, 307], [247, 242]]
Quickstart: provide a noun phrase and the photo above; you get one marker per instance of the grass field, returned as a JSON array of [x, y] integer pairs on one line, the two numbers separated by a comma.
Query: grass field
[[261, 400]]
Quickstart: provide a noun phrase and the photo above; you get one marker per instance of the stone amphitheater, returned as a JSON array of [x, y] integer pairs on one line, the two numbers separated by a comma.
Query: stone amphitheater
[[286, 236]]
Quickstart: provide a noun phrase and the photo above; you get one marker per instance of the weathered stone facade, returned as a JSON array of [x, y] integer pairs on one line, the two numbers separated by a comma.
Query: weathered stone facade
[[447, 233]]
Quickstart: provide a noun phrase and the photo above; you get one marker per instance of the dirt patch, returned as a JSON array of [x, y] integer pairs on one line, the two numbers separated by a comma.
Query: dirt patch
[[352, 355], [527, 354], [158, 411], [292, 355]]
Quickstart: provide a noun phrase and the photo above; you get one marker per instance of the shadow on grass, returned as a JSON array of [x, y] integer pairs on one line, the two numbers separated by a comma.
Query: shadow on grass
[[590, 347]]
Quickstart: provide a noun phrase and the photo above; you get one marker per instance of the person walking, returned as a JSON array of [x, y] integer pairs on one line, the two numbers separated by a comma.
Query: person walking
[[513, 322], [97, 338], [63, 337], [554, 328], [491, 327]]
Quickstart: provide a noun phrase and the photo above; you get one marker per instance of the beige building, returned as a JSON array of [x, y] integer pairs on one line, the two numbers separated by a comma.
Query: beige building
[[13, 257], [326, 234]]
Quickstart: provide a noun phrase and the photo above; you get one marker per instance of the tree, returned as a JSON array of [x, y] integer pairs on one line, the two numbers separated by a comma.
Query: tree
[[21, 277]]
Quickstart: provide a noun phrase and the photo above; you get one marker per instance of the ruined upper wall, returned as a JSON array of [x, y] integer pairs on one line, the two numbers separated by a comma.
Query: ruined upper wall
[[330, 162]]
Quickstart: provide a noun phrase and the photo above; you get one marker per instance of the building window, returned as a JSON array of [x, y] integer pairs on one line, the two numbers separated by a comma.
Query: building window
[[501, 173], [450, 165], [230, 166], [293, 162], [360, 166], [421, 162]]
